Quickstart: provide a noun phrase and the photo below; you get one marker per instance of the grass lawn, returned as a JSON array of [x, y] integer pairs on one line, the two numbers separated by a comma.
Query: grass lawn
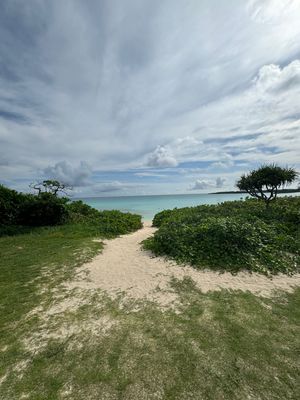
[[69, 344]]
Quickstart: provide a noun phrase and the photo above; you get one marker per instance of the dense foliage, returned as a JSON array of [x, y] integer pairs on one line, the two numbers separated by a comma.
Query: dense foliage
[[111, 222], [43, 210], [20, 212], [10, 202], [264, 182], [232, 235]]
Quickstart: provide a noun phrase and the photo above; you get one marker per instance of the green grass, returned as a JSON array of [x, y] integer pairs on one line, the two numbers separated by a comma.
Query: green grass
[[43, 258], [219, 345]]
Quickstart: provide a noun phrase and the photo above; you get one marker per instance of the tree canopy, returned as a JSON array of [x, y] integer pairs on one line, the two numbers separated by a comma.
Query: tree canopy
[[50, 186], [264, 182]]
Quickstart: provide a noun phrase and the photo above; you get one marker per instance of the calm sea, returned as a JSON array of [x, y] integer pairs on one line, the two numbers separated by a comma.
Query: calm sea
[[148, 206]]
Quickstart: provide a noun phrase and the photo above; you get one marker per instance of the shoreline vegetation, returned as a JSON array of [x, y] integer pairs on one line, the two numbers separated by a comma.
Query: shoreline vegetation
[[232, 236], [64, 337], [280, 191], [260, 234]]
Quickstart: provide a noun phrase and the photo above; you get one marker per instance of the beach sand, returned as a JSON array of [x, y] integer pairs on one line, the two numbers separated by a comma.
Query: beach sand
[[124, 267]]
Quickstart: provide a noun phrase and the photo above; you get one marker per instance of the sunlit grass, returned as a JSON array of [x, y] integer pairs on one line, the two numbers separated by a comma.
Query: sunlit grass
[[219, 345]]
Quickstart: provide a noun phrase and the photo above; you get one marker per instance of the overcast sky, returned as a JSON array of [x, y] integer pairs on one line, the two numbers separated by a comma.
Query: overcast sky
[[123, 97]]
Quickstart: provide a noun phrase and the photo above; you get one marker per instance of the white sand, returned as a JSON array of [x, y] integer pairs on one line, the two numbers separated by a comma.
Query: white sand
[[124, 267]]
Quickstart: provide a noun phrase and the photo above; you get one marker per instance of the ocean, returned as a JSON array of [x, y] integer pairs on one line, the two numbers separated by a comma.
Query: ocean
[[148, 206]]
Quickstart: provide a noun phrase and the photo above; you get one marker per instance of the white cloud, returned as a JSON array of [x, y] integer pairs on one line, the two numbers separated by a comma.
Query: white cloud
[[272, 77], [225, 161], [161, 157], [150, 174], [270, 11], [70, 175], [186, 146]]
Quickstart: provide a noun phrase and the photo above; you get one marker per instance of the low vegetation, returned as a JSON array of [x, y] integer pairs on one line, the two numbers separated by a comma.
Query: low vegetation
[[232, 235], [110, 223], [22, 213]]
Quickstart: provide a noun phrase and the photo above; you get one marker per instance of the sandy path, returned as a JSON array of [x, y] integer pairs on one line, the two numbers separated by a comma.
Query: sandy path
[[124, 267]]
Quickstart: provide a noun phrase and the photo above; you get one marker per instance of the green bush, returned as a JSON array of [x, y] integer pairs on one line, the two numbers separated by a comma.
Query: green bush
[[18, 210], [43, 210], [19, 213], [162, 217], [232, 235], [10, 201], [110, 223], [80, 212], [113, 222]]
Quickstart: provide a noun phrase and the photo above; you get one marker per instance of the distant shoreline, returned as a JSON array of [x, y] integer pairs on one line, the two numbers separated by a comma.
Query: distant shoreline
[[266, 191]]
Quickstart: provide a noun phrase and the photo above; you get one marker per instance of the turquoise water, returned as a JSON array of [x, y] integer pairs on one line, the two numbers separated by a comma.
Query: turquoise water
[[148, 206]]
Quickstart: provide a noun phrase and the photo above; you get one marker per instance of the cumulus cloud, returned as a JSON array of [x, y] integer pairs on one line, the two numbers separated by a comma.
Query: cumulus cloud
[[201, 184], [66, 173], [272, 77], [161, 157], [175, 151]]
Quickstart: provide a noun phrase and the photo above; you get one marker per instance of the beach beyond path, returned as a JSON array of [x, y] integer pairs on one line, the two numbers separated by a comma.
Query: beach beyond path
[[124, 267]]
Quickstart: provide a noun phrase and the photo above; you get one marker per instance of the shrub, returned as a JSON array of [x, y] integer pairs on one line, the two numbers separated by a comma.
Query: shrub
[[10, 201], [20, 212], [232, 236], [19, 209], [43, 210], [161, 217], [80, 212], [113, 222], [109, 223]]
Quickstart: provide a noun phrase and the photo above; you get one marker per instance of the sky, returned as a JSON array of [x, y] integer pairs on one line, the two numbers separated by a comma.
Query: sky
[[139, 97]]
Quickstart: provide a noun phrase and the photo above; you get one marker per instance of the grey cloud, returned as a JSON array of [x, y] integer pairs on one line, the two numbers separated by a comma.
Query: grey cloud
[[202, 184], [220, 182], [114, 186], [108, 187], [70, 175]]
